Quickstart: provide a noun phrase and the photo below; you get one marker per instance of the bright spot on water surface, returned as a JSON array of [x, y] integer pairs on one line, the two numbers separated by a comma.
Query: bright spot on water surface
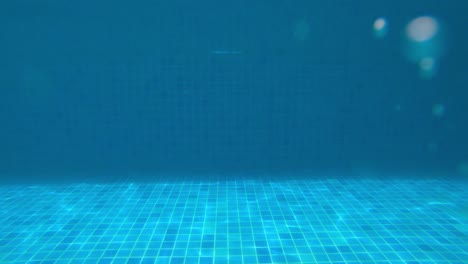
[[380, 27]]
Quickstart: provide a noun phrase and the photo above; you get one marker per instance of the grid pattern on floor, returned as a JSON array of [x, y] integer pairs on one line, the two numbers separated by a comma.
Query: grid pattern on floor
[[298, 221]]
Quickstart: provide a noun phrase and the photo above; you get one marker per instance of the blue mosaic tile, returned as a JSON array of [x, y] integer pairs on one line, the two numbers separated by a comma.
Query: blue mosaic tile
[[298, 221]]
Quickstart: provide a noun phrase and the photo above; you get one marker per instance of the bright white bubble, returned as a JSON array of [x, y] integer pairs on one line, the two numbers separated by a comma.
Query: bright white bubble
[[425, 44], [380, 27], [379, 24], [422, 29]]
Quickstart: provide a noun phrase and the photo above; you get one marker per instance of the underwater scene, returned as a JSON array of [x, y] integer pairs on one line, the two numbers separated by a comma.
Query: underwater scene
[[259, 131]]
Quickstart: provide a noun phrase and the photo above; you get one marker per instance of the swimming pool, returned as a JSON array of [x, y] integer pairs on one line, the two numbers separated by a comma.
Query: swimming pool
[[256, 131]]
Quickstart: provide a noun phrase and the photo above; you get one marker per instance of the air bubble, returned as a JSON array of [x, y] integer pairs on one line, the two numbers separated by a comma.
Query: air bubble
[[422, 29], [380, 27], [438, 110], [424, 44]]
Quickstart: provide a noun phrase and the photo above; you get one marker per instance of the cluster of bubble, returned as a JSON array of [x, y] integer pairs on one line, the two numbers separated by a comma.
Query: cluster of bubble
[[423, 40], [423, 45]]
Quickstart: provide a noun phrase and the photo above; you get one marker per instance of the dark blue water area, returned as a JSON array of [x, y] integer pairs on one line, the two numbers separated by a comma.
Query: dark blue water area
[[111, 90]]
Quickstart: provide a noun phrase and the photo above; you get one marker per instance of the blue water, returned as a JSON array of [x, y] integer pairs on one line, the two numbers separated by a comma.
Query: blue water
[[233, 131]]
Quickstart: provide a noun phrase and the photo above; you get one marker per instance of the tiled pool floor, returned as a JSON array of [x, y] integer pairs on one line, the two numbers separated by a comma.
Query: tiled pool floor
[[298, 221]]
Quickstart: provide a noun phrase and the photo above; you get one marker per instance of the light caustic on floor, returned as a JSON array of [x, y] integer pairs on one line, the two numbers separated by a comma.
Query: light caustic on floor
[[303, 221]]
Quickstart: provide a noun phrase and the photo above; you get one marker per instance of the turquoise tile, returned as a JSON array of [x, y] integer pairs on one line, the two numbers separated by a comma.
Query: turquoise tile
[[300, 221]]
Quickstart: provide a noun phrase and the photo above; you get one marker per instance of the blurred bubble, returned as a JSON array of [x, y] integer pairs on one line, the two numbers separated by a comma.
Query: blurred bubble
[[380, 27], [422, 28], [463, 167], [427, 64], [438, 110], [301, 30], [432, 146], [427, 67], [424, 44]]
